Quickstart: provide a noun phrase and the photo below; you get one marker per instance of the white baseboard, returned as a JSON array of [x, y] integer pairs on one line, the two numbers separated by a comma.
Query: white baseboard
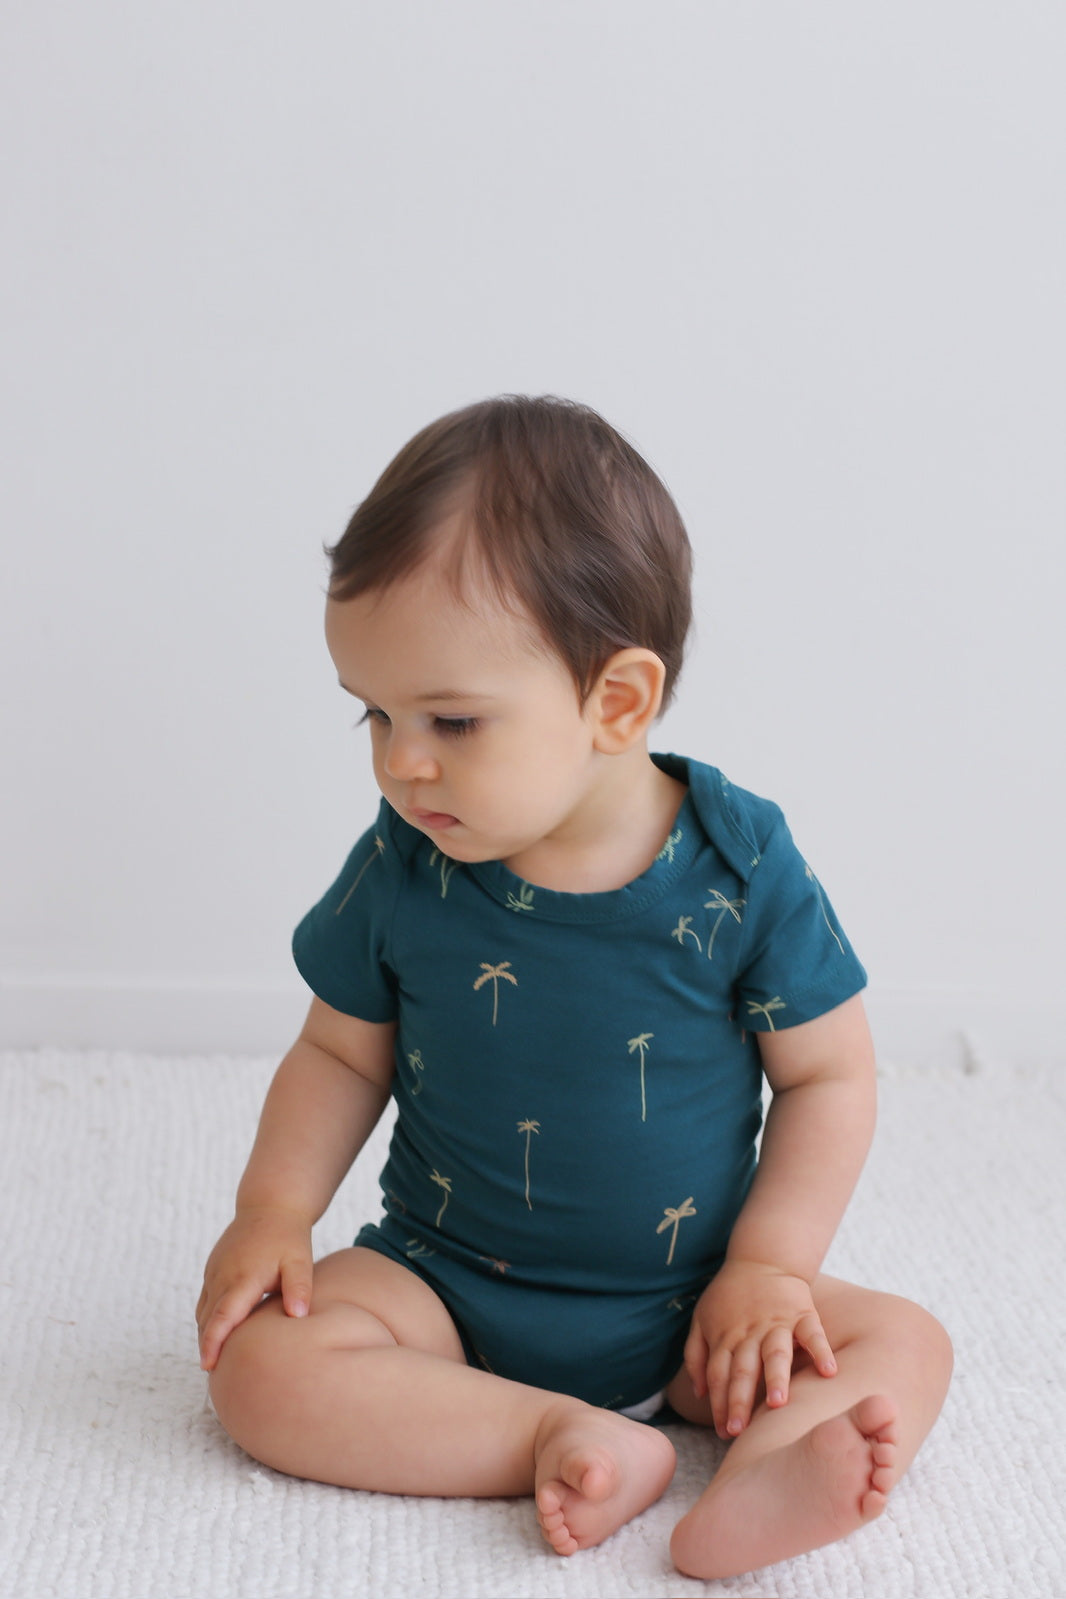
[[963, 1028], [162, 1018], [935, 1027]]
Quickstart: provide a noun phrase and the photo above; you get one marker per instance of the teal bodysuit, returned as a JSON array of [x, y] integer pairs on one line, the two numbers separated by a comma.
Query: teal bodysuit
[[577, 1082]]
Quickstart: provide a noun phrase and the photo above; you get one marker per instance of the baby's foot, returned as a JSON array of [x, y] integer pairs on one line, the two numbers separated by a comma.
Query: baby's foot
[[799, 1497], [595, 1470]]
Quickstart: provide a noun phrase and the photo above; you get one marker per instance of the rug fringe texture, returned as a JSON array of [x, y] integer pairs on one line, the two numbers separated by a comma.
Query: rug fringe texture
[[117, 1482]]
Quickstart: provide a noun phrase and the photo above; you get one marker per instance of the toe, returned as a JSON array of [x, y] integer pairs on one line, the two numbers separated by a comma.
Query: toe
[[597, 1482], [875, 1417], [560, 1538], [549, 1499], [873, 1502]]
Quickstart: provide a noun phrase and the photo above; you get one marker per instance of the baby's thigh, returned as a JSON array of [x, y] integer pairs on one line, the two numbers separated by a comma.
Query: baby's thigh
[[382, 1302], [279, 1375], [896, 1334], [851, 1314], [359, 1300]]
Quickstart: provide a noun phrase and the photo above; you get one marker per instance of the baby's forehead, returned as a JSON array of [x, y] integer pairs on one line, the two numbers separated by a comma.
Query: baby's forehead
[[437, 609]]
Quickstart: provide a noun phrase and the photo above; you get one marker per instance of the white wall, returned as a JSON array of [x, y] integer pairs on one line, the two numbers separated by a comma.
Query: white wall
[[810, 258]]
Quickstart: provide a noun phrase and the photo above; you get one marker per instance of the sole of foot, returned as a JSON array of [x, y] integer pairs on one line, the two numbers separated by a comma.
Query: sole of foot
[[809, 1493]]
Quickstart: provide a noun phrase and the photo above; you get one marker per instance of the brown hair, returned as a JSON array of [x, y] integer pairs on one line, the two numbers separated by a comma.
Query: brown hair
[[564, 516]]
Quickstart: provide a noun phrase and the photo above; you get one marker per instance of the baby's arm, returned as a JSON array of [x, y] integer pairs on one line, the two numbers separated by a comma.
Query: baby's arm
[[326, 1097], [817, 1135]]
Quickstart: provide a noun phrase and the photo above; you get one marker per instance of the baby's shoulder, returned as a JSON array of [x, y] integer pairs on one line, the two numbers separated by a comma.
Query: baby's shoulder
[[740, 824]]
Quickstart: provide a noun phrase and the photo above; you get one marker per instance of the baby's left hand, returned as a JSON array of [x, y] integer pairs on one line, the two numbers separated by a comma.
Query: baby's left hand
[[744, 1327]]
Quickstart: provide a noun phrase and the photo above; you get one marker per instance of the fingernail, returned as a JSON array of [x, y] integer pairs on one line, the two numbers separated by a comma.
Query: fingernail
[[775, 1396]]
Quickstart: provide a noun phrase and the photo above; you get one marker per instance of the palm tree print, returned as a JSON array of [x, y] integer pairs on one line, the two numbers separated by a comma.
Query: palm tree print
[[446, 1184], [755, 1009], [417, 1064], [492, 974], [501, 1266], [447, 867], [416, 1249], [724, 907], [641, 1042], [523, 900], [529, 1128], [673, 1218], [684, 930], [667, 851], [821, 904], [376, 853]]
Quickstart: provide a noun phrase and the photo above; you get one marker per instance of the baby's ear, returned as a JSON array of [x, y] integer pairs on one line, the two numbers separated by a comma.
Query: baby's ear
[[625, 699]]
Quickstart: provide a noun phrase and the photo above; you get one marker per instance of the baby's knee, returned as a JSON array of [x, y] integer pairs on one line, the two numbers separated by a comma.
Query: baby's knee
[[936, 1342], [252, 1376], [918, 1330]]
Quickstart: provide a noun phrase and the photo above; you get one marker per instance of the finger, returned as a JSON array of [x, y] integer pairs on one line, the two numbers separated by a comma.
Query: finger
[[718, 1369], [296, 1285], [811, 1336], [743, 1380], [777, 1366], [220, 1320], [695, 1359], [216, 1328], [212, 1336]]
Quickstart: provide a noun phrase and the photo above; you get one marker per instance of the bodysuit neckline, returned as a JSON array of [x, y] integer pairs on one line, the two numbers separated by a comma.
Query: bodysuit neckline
[[546, 904]]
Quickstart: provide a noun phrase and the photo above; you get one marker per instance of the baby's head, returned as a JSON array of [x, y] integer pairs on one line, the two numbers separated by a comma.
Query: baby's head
[[556, 510]]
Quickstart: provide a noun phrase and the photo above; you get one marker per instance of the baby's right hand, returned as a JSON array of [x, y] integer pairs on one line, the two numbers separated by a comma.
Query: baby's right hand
[[261, 1251]]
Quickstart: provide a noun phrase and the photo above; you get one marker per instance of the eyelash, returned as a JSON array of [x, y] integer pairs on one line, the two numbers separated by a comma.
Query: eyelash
[[446, 726]]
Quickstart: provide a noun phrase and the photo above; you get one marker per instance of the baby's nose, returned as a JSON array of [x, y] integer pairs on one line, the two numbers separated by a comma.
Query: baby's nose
[[407, 758]]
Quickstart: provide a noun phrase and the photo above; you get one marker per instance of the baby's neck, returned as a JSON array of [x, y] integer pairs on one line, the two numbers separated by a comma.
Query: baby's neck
[[626, 826]]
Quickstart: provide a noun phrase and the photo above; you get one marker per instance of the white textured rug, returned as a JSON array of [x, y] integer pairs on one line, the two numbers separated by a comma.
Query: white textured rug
[[119, 1170]]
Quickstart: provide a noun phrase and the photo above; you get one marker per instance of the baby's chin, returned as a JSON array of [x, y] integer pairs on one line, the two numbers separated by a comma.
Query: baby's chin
[[457, 843]]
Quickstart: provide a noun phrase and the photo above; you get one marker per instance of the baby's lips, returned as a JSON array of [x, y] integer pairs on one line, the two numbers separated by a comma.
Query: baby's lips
[[435, 821]]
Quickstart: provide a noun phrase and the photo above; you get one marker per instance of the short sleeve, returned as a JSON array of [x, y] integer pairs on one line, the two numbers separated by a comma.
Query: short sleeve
[[342, 946], [796, 962]]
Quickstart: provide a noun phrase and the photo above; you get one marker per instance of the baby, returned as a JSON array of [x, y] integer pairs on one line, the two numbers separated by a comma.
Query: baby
[[570, 963]]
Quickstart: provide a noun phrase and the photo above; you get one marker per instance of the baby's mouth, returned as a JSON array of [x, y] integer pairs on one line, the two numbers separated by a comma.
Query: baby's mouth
[[432, 821]]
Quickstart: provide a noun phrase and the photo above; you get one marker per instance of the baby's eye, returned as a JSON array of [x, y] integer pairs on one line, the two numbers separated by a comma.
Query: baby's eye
[[455, 726], [372, 714]]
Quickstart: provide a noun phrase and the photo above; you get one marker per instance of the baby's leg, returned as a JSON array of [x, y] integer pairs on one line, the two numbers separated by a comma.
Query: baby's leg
[[372, 1390], [816, 1469]]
